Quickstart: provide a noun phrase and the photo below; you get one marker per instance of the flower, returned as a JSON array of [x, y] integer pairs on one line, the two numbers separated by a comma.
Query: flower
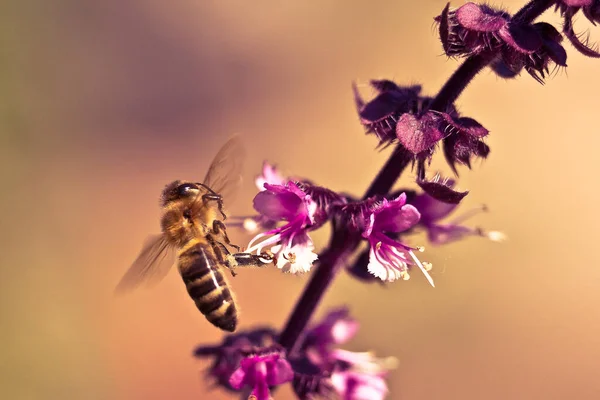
[[464, 140], [336, 328], [473, 29], [547, 49], [433, 210], [228, 355], [477, 28], [361, 376], [269, 175], [291, 244], [380, 115], [400, 114], [261, 370], [323, 369], [388, 259], [252, 224]]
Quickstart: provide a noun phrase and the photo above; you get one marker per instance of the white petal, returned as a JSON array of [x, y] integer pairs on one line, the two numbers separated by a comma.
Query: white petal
[[380, 270]]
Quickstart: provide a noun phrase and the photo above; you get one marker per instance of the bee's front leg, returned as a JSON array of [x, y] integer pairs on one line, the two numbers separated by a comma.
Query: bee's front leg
[[219, 227], [218, 199]]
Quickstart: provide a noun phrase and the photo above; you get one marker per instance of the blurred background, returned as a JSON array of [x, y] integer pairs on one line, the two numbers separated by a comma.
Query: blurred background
[[104, 102]]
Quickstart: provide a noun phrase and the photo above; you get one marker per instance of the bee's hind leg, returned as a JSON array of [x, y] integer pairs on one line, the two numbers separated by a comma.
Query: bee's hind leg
[[219, 227]]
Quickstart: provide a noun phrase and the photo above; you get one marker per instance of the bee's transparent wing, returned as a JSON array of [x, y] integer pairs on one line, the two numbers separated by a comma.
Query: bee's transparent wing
[[224, 175], [151, 266]]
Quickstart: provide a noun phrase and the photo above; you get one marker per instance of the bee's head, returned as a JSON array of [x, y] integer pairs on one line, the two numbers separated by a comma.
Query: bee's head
[[179, 190]]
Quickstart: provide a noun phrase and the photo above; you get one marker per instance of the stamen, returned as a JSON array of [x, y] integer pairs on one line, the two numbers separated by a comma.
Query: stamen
[[291, 258], [469, 214], [423, 269], [496, 236]]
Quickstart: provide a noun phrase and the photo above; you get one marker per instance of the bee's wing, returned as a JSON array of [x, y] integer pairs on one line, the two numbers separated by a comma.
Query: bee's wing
[[152, 265], [224, 175]]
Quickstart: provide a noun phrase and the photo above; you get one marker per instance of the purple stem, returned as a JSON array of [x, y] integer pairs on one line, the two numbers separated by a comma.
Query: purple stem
[[343, 243]]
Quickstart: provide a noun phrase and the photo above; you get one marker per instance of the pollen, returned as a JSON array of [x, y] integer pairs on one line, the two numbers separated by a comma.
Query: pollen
[[378, 246], [291, 257]]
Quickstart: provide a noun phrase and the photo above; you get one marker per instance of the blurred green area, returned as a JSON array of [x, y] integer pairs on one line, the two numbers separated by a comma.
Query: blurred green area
[[103, 102]]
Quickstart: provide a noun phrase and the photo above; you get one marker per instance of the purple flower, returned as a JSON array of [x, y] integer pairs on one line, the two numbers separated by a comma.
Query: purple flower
[[473, 29], [269, 175], [380, 115], [252, 224], [261, 370], [352, 375], [464, 140], [291, 244], [420, 133], [433, 210], [399, 114], [537, 63], [336, 328], [362, 376], [388, 259], [228, 355]]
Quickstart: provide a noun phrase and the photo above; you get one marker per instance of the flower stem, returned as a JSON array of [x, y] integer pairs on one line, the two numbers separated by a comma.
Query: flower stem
[[532, 10], [340, 246], [343, 243]]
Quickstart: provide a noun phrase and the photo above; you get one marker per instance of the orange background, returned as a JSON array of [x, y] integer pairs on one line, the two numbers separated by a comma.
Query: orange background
[[104, 102]]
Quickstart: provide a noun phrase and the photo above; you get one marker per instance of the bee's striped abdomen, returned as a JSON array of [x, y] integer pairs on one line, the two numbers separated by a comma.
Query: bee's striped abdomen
[[206, 285]]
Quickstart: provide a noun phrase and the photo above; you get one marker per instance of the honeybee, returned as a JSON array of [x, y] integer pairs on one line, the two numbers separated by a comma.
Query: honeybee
[[194, 234]]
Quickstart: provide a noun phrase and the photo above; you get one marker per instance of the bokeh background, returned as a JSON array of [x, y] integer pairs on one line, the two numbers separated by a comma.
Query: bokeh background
[[104, 102]]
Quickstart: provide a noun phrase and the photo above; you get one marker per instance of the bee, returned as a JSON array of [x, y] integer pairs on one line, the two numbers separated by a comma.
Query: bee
[[194, 234]]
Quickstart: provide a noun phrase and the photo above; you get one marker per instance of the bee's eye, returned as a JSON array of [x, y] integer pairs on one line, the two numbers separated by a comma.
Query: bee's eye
[[185, 189]]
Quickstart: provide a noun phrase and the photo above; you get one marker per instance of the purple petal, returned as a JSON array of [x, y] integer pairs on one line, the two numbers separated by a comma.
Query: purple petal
[[358, 100], [237, 379], [278, 206], [281, 372], [444, 29], [442, 192], [467, 126], [384, 85], [472, 17], [523, 38], [394, 220], [502, 70], [379, 108], [261, 391], [577, 3], [431, 209], [419, 134], [444, 234]]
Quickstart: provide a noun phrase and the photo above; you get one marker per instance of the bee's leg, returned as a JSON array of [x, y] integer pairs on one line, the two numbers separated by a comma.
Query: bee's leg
[[253, 260], [219, 227], [218, 199], [223, 254]]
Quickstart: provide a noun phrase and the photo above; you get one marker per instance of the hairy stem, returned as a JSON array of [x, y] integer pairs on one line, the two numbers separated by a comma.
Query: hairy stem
[[342, 243]]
